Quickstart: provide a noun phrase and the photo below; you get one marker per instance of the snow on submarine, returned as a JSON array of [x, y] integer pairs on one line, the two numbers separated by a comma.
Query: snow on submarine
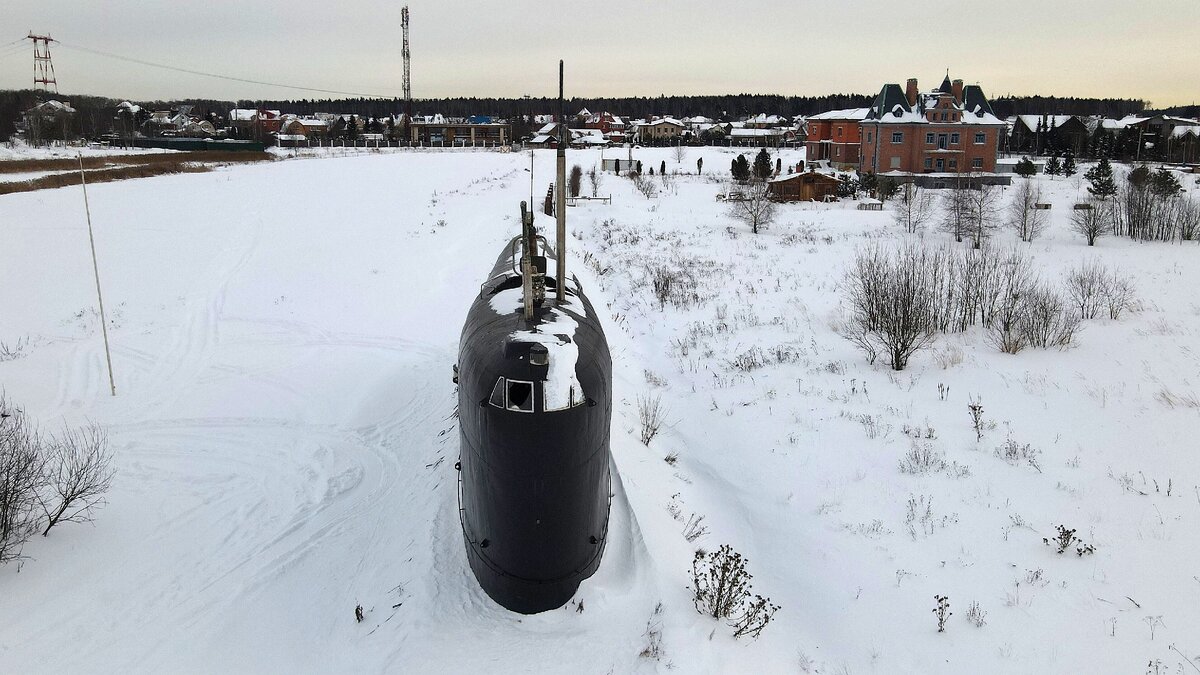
[[535, 404]]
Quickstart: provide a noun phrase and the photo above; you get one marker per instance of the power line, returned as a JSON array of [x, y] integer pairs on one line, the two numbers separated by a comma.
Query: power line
[[231, 78]]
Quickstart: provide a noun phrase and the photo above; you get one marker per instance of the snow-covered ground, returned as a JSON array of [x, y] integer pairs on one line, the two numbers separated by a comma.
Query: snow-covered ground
[[283, 337]]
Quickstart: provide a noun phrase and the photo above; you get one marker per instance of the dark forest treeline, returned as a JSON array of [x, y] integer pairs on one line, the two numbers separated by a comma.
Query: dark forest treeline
[[96, 113]]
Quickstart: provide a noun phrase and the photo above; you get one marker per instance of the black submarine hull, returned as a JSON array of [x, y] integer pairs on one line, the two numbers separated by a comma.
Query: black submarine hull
[[534, 460]]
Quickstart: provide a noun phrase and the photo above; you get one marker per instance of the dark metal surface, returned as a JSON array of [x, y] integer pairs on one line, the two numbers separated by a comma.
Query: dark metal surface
[[534, 486]]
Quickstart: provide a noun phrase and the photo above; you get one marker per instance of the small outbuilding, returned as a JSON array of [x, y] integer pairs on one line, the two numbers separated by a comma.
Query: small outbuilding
[[809, 186]]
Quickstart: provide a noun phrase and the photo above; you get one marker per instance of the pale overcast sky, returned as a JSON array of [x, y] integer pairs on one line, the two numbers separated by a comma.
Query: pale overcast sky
[[1102, 48]]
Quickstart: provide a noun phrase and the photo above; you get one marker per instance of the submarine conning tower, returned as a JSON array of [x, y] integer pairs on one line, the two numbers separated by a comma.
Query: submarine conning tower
[[535, 405]]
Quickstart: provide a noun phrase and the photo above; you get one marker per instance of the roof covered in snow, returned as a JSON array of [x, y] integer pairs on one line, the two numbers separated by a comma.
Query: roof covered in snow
[[854, 114], [891, 107]]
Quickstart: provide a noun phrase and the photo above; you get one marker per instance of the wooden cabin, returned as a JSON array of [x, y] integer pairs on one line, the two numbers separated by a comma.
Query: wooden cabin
[[803, 187]]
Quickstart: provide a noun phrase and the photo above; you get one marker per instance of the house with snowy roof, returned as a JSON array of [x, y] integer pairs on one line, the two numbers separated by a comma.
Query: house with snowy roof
[[659, 129], [252, 123], [931, 136], [1042, 134], [1166, 137], [48, 120], [764, 121], [833, 136], [308, 127], [755, 137], [611, 127]]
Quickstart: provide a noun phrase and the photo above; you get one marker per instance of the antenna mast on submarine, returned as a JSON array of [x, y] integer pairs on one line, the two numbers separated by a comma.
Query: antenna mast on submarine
[[560, 206]]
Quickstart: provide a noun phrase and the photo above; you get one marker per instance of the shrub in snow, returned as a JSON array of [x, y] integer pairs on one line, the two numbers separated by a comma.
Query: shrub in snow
[[921, 458], [1095, 221], [78, 473], [653, 635], [755, 209], [891, 296], [976, 615], [1093, 289], [975, 408], [721, 589], [1065, 538], [651, 415], [644, 185], [942, 611], [1033, 316], [21, 479], [1019, 453], [47, 480], [1150, 205]]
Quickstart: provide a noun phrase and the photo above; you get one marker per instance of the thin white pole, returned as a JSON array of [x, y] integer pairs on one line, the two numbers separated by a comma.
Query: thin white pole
[[96, 271]]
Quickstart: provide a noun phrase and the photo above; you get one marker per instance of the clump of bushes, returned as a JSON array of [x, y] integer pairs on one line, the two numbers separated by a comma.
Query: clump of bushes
[[47, 479], [721, 589], [899, 299]]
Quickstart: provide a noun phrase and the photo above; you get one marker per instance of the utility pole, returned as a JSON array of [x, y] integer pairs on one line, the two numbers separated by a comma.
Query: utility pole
[[96, 271]]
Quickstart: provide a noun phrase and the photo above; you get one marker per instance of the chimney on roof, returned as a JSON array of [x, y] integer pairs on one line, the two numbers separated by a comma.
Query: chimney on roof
[[956, 87], [910, 92]]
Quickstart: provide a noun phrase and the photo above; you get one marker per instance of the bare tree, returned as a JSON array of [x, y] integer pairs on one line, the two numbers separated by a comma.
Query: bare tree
[[1189, 219], [913, 208], [1028, 221], [1094, 221], [78, 473], [983, 212], [956, 210], [755, 208], [892, 297], [679, 152], [21, 476], [594, 177]]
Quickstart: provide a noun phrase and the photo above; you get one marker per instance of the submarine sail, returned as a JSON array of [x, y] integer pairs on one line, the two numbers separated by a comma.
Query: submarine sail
[[535, 404]]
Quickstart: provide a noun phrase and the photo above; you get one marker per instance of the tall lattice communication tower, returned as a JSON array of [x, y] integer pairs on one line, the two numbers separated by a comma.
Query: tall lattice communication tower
[[43, 67], [407, 61]]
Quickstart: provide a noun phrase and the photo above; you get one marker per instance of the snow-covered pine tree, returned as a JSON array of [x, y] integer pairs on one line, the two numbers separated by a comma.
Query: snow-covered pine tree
[[740, 168], [1101, 178], [1068, 165], [762, 165]]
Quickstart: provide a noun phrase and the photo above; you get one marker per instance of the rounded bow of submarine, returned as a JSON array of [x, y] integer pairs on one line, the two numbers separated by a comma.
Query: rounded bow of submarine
[[535, 407]]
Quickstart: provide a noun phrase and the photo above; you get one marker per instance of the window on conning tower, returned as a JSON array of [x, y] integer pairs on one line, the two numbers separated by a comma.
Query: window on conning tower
[[520, 396]]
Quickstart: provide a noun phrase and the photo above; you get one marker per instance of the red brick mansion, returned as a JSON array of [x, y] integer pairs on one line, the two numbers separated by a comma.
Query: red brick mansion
[[949, 131]]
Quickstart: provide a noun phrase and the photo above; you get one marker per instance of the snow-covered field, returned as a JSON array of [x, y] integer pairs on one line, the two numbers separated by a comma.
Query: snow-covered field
[[283, 337]]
